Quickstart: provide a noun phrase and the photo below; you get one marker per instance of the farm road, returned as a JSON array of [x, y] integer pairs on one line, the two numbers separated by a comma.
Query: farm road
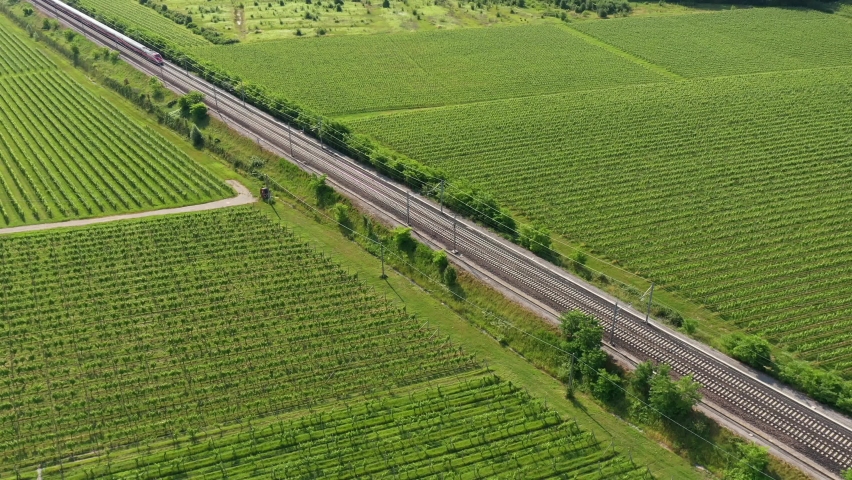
[[243, 197], [793, 427]]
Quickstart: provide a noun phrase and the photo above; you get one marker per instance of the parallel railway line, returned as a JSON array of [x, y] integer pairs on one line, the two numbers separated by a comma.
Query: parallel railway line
[[818, 442]]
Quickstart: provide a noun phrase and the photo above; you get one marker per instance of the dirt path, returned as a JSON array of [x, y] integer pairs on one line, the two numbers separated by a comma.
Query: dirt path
[[243, 197]]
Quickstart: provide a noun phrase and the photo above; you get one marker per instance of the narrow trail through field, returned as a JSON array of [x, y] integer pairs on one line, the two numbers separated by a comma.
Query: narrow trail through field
[[243, 197]]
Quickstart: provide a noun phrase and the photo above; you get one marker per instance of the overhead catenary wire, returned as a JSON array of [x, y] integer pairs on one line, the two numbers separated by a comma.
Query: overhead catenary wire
[[305, 149], [515, 231], [207, 74], [503, 321]]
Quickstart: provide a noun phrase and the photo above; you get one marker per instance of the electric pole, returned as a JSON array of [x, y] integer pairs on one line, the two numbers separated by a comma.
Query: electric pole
[[650, 299], [614, 324], [455, 250], [442, 196]]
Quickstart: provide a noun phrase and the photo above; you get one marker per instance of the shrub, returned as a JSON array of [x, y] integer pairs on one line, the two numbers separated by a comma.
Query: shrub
[[198, 112], [440, 260], [749, 349], [536, 239], [640, 380], [751, 463], [583, 336], [674, 399], [606, 387], [450, 276], [402, 239], [322, 191], [196, 136], [158, 90], [188, 100]]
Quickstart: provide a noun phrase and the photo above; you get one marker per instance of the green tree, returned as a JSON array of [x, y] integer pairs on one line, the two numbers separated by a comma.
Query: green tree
[[640, 380], [196, 137], [751, 463], [674, 399], [579, 265], [848, 474], [607, 386], [451, 277], [403, 240], [188, 100], [583, 338], [322, 191], [749, 349], [158, 90], [536, 239], [340, 212], [198, 112], [440, 260]]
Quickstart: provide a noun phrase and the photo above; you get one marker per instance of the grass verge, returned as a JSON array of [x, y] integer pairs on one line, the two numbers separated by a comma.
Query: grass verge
[[526, 363]]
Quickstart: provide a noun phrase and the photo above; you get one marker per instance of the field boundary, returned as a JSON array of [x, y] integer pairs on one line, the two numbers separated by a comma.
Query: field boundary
[[621, 53], [243, 197]]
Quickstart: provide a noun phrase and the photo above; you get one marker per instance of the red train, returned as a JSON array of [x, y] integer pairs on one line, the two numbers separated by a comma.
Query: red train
[[68, 12]]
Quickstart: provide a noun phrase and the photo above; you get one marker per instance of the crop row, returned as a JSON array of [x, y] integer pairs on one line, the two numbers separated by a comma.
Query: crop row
[[480, 427], [732, 191], [133, 332], [66, 153], [141, 18], [426, 69], [19, 56], [734, 42]]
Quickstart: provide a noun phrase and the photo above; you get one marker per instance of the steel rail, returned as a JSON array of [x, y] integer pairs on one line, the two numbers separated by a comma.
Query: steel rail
[[813, 438]]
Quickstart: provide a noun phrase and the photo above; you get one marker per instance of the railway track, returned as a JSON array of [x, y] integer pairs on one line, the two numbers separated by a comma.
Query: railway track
[[818, 442]]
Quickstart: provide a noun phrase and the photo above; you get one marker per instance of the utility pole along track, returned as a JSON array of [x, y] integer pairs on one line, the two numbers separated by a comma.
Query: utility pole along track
[[818, 441]]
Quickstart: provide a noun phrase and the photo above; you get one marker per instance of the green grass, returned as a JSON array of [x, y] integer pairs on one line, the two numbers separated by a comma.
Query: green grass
[[142, 330], [273, 21], [731, 191], [66, 153], [387, 72], [145, 20], [480, 426], [735, 42], [463, 329], [141, 333]]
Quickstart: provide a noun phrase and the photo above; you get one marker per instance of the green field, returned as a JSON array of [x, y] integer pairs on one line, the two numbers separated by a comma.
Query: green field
[[388, 72], [65, 153], [199, 344], [734, 42], [733, 191], [261, 21], [143, 19]]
